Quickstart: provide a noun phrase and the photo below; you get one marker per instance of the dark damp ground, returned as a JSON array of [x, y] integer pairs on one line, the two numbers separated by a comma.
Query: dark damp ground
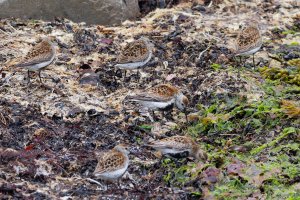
[[61, 143]]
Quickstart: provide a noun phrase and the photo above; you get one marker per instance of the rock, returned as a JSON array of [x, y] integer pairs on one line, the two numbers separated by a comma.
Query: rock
[[105, 12], [74, 112], [161, 3], [89, 78]]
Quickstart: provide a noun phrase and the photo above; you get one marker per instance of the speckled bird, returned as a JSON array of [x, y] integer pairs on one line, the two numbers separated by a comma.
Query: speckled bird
[[249, 39], [179, 144], [38, 57], [112, 164], [161, 97], [135, 55]]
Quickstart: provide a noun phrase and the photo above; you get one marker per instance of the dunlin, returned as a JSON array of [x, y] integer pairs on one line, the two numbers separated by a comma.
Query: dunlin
[[135, 55], [179, 144], [113, 164], [249, 39], [38, 58], [161, 97]]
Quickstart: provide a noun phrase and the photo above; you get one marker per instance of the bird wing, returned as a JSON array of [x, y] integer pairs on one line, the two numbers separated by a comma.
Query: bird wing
[[160, 93], [110, 161], [136, 51], [248, 38], [42, 52], [149, 97], [175, 142]]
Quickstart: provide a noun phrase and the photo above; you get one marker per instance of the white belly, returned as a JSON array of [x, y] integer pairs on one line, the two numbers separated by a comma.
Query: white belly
[[39, 66], [247, 53], [112, 175], [134, 65], [156, 105], [170, 151]]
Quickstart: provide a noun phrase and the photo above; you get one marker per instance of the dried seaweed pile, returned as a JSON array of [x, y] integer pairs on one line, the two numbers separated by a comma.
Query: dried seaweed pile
[[49, 133]]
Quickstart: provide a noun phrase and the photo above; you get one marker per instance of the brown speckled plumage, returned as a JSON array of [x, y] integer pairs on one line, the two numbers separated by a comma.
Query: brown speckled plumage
[[110, 161], [179, 144], [248, 38], [161, 97], [163, 92], [42, 52], [112, 164], [134, 52]]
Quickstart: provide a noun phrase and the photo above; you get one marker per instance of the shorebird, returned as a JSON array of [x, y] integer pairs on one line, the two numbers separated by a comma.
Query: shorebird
[[112, 164], [249, 39], [135, 55], [161, 97], [38, 58], [179, 144]]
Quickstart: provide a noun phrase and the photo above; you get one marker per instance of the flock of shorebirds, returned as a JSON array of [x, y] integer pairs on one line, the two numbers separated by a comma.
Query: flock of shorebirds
[[135, 55]]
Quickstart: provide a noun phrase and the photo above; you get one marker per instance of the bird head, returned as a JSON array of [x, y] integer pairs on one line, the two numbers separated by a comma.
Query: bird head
[[253, 22], [181, 101], [122, 148], [199, 154], [147, 41]]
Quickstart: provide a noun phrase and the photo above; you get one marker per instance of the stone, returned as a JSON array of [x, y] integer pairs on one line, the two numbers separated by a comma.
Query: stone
[[104, 12], [89, 78]]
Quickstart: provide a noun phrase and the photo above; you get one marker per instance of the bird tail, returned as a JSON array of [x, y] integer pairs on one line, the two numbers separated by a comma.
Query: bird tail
[[153, 144], [148, 145], [130, 98], [18, 65]]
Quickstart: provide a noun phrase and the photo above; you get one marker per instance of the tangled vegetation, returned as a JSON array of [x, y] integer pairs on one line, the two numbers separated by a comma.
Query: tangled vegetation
[[246, 117]]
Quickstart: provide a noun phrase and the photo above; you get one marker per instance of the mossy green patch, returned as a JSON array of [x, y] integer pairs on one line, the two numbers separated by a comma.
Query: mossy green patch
[[270, 135], [284, 75], [294, 43], [146, 127], [284, 134], [216, 67], [289, 32]]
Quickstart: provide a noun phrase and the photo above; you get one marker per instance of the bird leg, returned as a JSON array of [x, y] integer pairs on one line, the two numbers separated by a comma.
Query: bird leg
[[238, 65], [118, 184], [253, 61], [163, 114], [154, 73], [153, 114], [240, 60], [40, 76], [105, 187], [115, 76], [186, 116], [244, 62], [138, 75], [28, 73], [236, 62], [167, 114], [152, 118], [125, 75]]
